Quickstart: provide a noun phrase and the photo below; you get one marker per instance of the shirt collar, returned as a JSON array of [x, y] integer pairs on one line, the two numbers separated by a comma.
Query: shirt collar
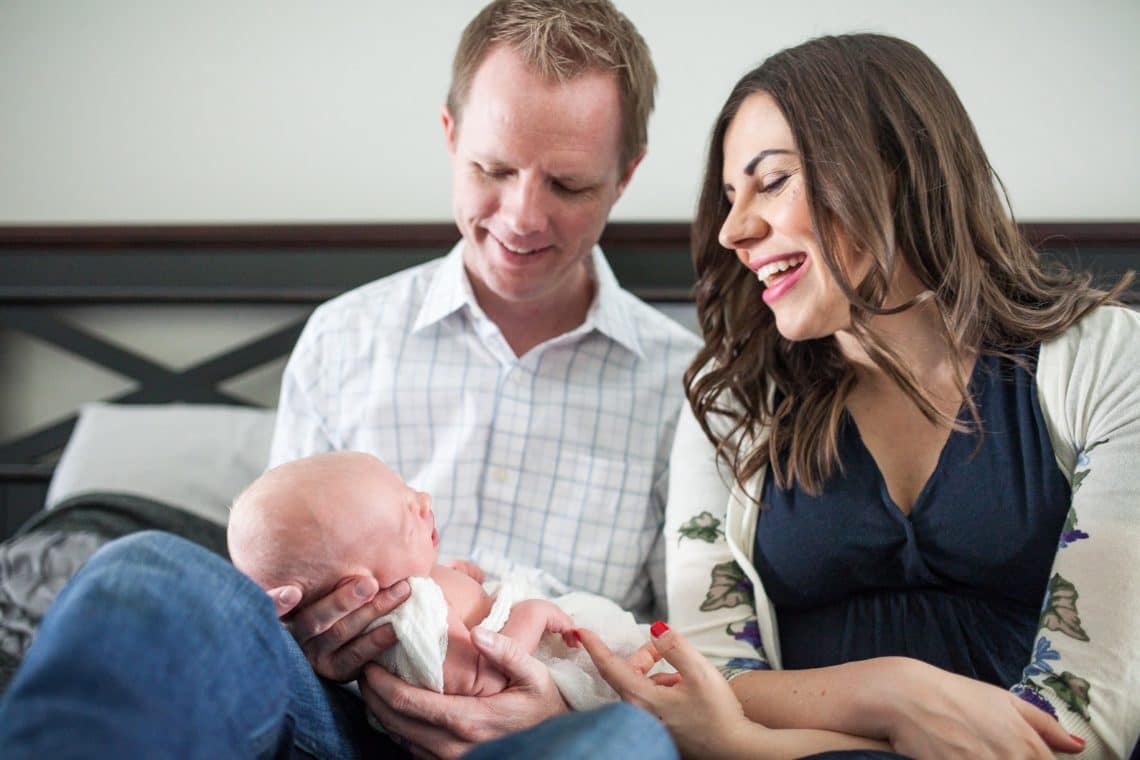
[[450, 290]]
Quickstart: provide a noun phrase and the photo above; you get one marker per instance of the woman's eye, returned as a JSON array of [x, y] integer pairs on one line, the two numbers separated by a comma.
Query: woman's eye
[[774, 184]]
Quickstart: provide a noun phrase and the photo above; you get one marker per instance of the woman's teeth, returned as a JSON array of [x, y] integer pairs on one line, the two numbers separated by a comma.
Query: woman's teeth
[[764, 273]]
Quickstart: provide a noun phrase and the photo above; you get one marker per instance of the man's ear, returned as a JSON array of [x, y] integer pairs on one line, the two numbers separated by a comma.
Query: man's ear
[[627, 171], [450, 128]]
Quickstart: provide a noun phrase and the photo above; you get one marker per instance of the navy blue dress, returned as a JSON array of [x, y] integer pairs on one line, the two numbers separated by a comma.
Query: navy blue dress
[[959, 582]]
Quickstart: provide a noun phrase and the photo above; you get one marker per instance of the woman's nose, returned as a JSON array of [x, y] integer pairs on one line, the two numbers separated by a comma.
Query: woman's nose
[[742, 227]]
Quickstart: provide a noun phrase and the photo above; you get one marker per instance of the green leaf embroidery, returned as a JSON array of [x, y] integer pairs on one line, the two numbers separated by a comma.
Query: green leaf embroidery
[[1079, 475], [729, 588], [703, 527], [1060, 613], [1078, 478], [1070, 520], [1073, 691]]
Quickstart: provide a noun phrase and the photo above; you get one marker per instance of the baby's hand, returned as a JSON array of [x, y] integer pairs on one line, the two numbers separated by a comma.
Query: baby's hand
[[468, 568]]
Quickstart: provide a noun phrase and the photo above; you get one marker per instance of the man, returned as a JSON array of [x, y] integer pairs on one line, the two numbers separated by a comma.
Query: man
[[513, 379]]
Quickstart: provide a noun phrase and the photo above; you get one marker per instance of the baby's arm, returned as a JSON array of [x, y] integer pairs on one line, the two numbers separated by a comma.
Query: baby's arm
[[467, 672], [531, 618]]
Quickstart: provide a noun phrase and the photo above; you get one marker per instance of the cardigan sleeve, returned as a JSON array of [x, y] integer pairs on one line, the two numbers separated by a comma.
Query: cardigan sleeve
[[1085, 666], [711, 599]]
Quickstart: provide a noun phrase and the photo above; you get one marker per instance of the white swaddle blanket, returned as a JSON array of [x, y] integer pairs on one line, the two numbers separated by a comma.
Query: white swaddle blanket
[[420, 624]]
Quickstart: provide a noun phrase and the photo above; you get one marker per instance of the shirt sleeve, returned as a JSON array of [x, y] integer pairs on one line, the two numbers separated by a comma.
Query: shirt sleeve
[[302, 425], [1085, 668], [711, 600]]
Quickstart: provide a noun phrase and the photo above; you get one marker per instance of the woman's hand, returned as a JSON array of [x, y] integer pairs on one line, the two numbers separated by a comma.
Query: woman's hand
[[697, 705], [440, 725], [328, 629], [940, 714]]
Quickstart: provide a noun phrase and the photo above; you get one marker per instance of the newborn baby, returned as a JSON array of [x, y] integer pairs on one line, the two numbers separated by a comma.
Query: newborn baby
[[314, 521]]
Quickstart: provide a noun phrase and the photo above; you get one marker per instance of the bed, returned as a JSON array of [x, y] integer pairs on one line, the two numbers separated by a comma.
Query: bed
[[117, 415]]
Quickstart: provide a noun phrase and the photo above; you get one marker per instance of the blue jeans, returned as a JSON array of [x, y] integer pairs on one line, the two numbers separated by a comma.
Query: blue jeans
[[619, 731], [159, 648]]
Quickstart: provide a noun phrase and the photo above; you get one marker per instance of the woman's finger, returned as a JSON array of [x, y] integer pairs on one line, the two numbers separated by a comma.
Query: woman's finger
[[626, 680], [1050, 731], [644, 658], [678, 652]]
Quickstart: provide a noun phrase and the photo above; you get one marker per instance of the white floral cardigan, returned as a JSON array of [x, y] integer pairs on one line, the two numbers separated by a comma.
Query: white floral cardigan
[[1085, 667]]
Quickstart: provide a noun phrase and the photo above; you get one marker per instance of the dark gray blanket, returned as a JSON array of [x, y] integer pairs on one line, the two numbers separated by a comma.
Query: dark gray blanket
[[48, 549]]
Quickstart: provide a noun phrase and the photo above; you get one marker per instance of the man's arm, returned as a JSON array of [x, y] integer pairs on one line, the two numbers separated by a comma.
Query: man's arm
[[448, 726], [301, 424]]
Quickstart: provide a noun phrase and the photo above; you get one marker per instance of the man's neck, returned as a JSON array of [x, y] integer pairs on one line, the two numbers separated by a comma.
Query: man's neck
[[527, 324], [530, 323]]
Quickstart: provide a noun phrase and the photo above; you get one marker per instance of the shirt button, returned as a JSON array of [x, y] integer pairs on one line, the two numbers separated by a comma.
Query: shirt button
[[499, 474]]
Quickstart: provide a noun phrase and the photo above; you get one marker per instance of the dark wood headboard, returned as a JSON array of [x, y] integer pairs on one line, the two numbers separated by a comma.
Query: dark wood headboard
[[44, 269]]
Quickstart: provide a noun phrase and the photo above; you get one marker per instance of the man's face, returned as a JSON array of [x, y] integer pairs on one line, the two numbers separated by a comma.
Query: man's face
[[536, 170]]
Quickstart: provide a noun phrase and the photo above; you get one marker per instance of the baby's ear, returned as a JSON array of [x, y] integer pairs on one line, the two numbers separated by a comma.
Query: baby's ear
[[285, 598]]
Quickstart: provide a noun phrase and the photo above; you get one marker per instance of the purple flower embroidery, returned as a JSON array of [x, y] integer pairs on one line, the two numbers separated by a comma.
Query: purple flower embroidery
[[1072, 536], [1033, 697], [750, 633]]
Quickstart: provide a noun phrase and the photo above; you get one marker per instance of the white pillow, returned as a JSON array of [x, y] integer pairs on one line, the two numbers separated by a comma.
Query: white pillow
[[194, 456]]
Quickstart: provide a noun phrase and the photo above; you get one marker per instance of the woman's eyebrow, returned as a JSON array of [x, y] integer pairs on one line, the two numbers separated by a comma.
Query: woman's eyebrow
[[750, 167]]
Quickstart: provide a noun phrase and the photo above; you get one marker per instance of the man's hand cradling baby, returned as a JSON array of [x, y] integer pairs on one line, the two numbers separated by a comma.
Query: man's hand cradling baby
[[329, 630]]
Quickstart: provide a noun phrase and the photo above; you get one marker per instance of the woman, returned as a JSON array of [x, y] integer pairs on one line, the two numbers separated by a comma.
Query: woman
[[905, 431]]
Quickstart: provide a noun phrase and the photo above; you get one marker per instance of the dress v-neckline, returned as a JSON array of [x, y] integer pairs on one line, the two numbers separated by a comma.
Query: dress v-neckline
[[923, 493]]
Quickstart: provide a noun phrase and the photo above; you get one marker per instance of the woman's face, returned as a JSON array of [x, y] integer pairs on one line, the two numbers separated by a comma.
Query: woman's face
[[769, 225]]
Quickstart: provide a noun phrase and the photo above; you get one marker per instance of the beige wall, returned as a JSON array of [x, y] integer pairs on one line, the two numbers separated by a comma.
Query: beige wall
[[151, 111]]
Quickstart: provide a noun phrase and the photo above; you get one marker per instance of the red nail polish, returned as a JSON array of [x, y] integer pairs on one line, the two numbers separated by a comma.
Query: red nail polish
[[577, 636], [658, 629], [1077, 739]]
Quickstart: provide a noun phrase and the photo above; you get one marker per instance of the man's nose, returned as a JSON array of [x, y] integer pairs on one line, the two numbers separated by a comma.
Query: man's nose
[[525, 207]]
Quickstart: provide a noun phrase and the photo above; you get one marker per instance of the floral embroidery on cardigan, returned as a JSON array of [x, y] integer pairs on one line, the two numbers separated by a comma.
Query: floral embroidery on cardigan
[[702, 527], [1060, 614]]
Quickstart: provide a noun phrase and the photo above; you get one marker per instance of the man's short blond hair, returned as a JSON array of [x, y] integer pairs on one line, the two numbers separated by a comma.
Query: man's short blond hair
[[562, 39]]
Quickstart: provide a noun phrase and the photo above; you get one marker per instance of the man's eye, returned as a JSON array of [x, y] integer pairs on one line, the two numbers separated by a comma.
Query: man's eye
[[565, 190], [493, 173]]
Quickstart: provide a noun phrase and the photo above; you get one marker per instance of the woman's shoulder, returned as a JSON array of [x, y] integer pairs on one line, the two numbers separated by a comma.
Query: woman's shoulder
[[1109, 333]]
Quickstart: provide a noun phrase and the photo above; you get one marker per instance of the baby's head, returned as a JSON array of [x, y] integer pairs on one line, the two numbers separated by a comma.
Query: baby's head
[[314, 521]]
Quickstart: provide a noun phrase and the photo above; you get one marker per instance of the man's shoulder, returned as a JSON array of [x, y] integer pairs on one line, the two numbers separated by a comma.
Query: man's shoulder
[[399, 293], [655, 328]]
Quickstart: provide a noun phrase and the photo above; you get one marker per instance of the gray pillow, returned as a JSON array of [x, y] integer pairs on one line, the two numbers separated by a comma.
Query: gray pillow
[[193, 456]]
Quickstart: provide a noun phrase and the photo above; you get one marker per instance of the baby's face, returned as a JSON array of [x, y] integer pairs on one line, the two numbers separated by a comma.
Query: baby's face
[[396, 530]]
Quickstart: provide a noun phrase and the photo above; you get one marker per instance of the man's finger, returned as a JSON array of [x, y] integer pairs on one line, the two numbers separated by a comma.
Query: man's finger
[[327, 652], [285, 598], [506, 655], [348, 661], [417, 715], [316, 618]]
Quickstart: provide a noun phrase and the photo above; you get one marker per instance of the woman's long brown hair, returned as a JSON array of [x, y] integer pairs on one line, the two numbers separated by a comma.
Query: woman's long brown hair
[[894, 171]]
